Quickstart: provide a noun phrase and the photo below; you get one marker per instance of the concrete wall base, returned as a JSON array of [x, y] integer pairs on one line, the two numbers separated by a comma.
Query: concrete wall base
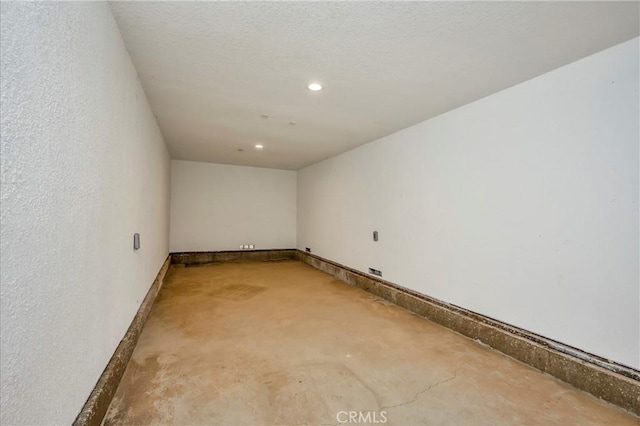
[[98, 402], [195, 258]]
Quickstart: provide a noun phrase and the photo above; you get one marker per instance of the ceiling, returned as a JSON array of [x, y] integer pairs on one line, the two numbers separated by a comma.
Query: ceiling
[[211, 69]]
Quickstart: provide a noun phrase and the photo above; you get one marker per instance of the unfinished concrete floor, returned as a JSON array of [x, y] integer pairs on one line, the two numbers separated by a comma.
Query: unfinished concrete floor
[[280, 343]]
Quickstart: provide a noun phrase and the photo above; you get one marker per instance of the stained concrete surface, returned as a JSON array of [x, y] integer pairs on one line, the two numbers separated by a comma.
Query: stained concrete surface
[[611, 382], [275, 343]]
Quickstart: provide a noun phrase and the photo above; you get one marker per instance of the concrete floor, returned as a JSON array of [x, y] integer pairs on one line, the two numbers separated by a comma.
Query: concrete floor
[[280, 343]]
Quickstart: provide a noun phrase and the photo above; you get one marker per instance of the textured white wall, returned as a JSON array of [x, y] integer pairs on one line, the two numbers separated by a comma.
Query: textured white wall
[[218, 207], [84, 166], [522, 206]]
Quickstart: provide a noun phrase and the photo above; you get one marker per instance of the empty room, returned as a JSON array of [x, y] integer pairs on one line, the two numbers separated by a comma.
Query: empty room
[[320, 213]]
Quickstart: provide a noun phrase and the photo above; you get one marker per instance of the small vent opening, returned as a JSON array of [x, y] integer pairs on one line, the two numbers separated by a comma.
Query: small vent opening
[[375, 272]]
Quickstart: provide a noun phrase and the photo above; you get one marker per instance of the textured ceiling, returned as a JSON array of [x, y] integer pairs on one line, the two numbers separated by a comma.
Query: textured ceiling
[[210, 69]]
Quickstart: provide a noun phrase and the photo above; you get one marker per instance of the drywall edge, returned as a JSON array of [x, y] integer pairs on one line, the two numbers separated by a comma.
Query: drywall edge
[[100, 398], [612, 382]]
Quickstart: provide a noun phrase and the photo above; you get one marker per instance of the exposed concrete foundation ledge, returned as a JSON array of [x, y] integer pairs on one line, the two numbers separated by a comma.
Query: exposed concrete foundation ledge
[[197, 258], [612, 382], [98, 402]]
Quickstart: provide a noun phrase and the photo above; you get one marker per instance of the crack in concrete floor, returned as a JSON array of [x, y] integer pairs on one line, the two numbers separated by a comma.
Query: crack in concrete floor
[[412, 400], [427, 389]]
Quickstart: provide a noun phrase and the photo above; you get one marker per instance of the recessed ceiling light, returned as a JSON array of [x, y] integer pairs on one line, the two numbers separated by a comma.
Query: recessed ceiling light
[[258, 146], [315, 87]]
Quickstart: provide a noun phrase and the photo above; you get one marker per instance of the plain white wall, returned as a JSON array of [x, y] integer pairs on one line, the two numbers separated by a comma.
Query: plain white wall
[[219, 207], [84, 166], [522, 206]]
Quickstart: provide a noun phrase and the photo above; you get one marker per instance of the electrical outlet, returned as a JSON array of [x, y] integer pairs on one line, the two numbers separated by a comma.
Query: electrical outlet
[[251, 246]]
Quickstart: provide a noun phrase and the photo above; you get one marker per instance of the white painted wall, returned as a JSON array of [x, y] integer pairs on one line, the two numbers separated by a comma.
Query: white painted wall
[[219, 207], [522, 206], [84, 166]]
